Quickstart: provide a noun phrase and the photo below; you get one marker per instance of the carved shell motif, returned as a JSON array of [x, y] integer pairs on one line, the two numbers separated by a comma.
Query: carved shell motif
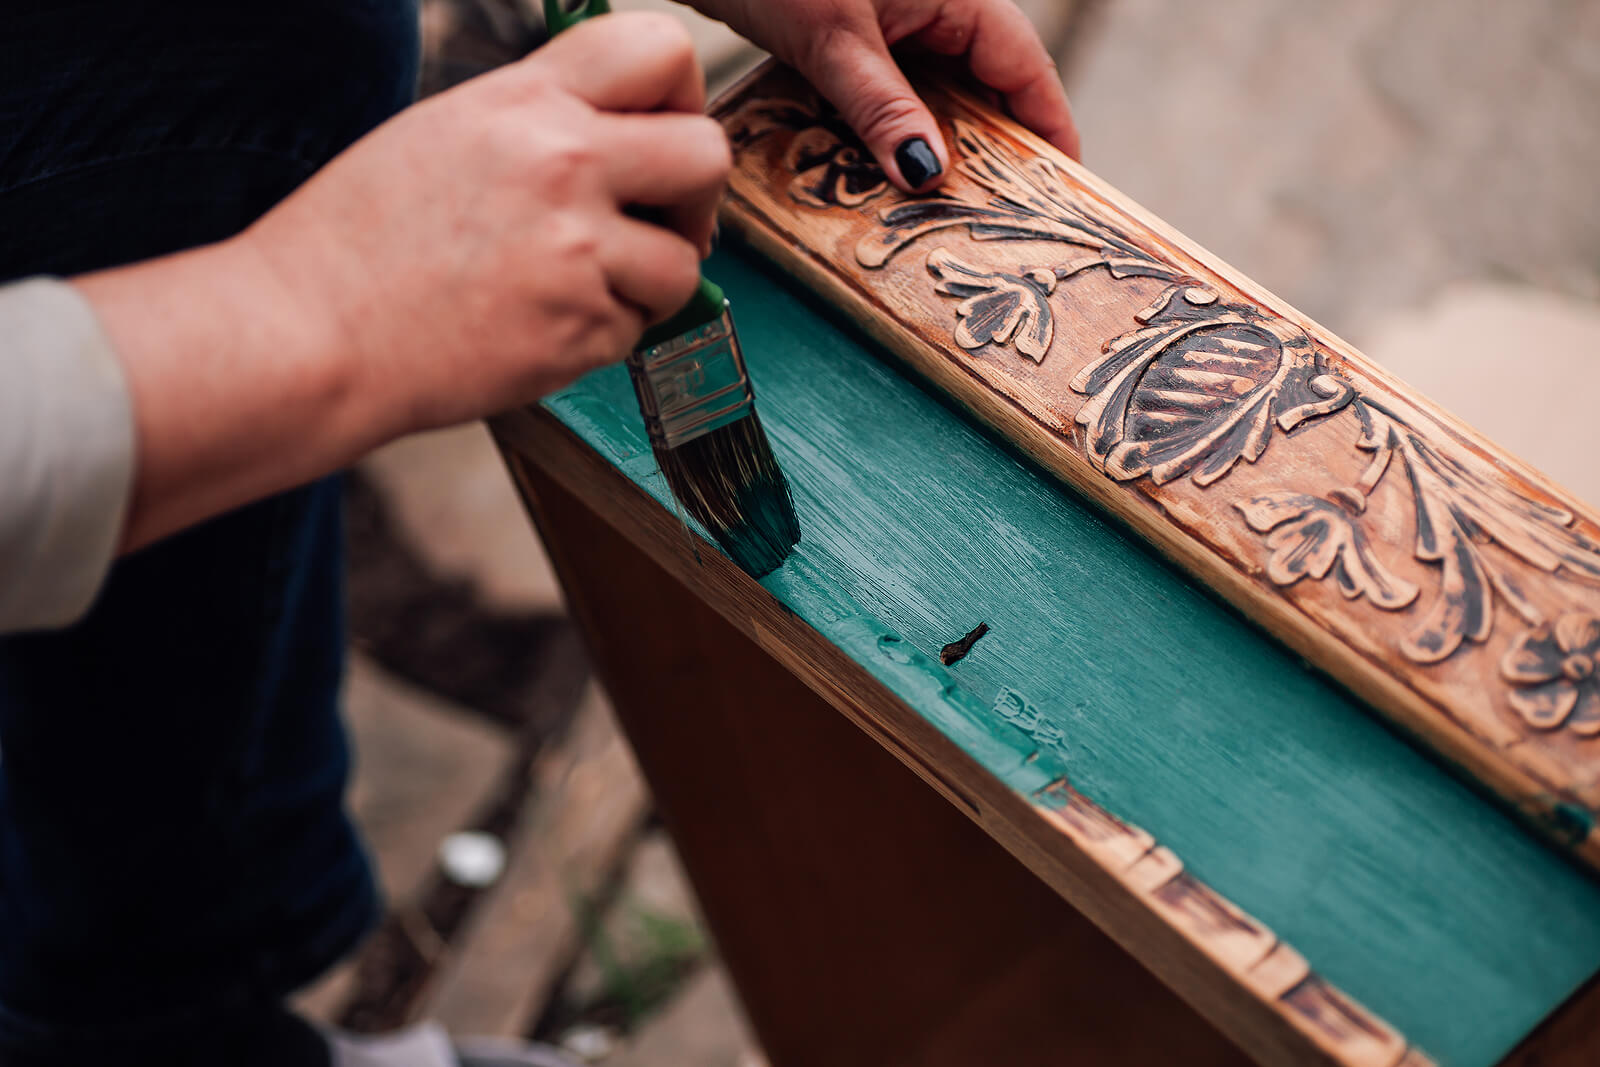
[[1199, 388]]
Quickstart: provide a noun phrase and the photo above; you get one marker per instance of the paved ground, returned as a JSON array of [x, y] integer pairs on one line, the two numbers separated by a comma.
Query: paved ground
[[1419, 177], [1357, 156]]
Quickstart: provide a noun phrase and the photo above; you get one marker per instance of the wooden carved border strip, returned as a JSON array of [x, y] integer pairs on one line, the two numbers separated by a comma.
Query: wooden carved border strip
[[1269, 968], [1445, 582], [1096, 861]]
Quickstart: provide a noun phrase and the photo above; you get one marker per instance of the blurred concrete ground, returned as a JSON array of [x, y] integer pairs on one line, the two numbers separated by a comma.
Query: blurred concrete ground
[[1419, 177]]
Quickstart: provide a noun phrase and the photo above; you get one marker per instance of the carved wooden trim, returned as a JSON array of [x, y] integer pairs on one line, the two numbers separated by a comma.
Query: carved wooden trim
[[1115, 873], [1448, 584]]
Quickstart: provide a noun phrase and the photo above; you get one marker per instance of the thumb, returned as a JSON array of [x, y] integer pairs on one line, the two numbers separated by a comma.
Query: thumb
[[861, 78]]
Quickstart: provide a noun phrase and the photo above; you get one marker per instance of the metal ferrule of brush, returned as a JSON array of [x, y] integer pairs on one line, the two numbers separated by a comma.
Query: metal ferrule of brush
[[693, 384]]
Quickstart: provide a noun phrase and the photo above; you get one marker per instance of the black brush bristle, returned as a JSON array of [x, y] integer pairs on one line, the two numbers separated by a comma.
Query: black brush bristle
[[731, 483]]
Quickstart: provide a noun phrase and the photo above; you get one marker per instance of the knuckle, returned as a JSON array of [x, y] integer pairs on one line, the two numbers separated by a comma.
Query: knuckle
[[567, 164], [711, 148], [951, 32], [574, 240]]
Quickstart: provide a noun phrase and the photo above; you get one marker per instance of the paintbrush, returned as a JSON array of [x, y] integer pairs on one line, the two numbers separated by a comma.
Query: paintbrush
[[699, 409]]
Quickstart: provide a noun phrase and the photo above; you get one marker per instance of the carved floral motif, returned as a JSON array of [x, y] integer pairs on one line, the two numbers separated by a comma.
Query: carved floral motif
[[1552, 671], [830, 171], [1201, 384], [831, 167]]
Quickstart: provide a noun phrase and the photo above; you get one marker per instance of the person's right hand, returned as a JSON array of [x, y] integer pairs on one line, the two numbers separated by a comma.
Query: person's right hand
[[470, 255], [478, 251]]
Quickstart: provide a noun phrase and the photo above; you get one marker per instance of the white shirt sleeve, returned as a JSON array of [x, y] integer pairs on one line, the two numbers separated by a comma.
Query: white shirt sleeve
[[66, 455]]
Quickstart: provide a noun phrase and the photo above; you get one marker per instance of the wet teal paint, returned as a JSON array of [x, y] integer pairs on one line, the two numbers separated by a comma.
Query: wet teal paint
[[1398, 883]]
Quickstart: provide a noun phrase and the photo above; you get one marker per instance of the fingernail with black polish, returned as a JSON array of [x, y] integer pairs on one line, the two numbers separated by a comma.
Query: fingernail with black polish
[[917, 162]]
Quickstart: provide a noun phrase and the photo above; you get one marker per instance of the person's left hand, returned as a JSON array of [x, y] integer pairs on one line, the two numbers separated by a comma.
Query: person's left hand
[[842, 47]]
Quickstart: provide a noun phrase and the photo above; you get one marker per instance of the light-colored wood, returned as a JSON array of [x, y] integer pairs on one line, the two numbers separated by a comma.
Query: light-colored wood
[[1236, 973], [1440, 579]]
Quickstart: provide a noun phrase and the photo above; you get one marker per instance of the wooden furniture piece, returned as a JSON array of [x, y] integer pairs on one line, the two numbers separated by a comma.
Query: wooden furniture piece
[[1272, 872], [1441, 580]]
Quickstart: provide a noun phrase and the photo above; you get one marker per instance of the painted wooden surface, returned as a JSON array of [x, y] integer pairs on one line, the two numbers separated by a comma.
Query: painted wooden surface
[[1107, 668], [1452, 588], [1237, 973], [866, 922]]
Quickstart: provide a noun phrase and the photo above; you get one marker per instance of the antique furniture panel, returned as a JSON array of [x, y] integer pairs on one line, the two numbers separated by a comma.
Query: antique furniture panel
[[1311, 884]]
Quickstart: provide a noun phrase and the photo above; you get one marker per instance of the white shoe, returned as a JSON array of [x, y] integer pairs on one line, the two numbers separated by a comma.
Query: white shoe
[[427, 1045]]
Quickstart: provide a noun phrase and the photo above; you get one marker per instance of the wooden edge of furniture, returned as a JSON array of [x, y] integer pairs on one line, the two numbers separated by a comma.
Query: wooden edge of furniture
[[863, 920], [1440, 579], [1568, 1037], [1257, 990]]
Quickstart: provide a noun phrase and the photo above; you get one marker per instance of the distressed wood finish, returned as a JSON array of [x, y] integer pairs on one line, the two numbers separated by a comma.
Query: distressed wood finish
[[1445, 582], [1255, 988]]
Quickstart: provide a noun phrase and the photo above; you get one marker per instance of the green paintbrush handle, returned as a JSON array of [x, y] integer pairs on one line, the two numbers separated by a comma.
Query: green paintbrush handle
[[564, 14], [705, 306]]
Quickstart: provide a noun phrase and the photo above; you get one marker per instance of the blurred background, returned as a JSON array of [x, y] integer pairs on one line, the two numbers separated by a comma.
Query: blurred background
[[1417, 176]]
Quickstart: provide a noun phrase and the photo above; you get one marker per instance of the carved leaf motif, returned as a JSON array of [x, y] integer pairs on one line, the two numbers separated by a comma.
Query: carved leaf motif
[[757, 118], [1540, 535], [995, 308], [1311, 537], [1199, 388], [1459, 510]]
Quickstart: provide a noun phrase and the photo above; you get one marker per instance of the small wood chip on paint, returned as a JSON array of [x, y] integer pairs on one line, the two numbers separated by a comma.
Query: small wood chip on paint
[[957, 650]]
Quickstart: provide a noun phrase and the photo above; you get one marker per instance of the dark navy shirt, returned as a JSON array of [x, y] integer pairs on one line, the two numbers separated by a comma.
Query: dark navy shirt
[[173, 845], [91, 87]]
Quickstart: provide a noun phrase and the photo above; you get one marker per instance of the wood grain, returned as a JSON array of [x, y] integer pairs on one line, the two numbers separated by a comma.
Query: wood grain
[[1443, 581]]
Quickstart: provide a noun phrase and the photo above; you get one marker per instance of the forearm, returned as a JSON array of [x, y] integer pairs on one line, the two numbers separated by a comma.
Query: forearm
[[237, 392]]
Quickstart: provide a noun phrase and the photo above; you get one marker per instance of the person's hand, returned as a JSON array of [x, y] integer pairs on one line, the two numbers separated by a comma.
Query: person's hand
[[842, 47], [479, 249], [469, 256]]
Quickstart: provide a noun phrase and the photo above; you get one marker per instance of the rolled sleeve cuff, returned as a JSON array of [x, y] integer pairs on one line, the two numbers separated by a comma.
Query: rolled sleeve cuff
[[66, 455]]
